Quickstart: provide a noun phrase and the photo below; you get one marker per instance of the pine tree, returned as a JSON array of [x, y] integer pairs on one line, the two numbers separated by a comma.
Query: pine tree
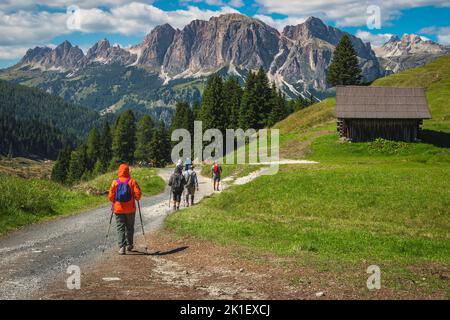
[[212, 113], [344, 68], [232, 91], [61, 167], [77, 165], [196, 110], [183, 118], [248, 110], [99, 168], [160, 146], [93, 148], [105, 146], [144, 135], [263, 94], [123, 139], [279, 110]]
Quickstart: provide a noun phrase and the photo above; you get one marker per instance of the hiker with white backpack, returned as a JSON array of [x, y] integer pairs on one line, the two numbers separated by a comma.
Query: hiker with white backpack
[[191, 182]]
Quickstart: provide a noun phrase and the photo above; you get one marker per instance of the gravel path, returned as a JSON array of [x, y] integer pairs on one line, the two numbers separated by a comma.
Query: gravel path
[[32, 257]]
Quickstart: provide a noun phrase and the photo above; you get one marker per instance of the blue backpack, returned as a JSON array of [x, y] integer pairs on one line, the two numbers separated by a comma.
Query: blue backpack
[[123, 191]]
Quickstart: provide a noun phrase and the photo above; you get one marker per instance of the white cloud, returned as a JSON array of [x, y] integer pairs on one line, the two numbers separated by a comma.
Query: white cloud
[[12, 52], [279, 23], [376, 40], [25, 29], [442, 33], [236, 3], [344, 12], [138, 18], [14, 5]]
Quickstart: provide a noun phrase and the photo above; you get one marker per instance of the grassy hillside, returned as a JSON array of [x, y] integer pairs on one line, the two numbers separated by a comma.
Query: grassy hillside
[[385, 203], [25, 201], [435, 78]]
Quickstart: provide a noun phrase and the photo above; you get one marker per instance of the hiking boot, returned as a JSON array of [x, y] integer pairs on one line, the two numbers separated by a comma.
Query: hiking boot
[[130, 248], [122, 251]]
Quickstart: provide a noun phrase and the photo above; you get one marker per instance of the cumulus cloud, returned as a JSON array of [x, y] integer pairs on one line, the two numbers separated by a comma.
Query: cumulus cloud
[[23, 29], [279, 23], [138, 18], [442, 33], [344, 12], [236, 3], [26, 27], [14, 5], [376, 40]]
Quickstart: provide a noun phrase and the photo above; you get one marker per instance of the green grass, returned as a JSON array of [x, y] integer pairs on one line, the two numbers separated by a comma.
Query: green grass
[[26, 201], [333, 213], [435, 78], [147, 179], [384, 202]]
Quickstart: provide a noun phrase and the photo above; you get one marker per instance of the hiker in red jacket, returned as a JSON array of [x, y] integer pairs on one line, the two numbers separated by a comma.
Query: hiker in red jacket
[[124, 192], [216, 170]]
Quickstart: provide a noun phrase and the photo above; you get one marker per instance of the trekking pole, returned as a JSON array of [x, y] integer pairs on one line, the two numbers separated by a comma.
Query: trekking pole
[[109, 227], [170, 197], [142, 226]]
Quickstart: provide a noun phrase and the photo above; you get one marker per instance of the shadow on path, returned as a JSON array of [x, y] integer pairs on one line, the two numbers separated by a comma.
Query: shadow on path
[[158, 253]]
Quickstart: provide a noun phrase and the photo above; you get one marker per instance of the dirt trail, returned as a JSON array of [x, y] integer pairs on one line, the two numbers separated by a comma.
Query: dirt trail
[[183, 269], [31, 258]]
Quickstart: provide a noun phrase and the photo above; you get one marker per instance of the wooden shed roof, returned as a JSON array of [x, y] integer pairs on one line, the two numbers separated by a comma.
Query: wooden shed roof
[[381, 103]]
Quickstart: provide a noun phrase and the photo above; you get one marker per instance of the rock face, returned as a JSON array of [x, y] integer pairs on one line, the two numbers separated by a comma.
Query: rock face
[[205, 46], [172, 64], [153, 50], [306, 50], [408, 52], [63, 57], [296, 59]]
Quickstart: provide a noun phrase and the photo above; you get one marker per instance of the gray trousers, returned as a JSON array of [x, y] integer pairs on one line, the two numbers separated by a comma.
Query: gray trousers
[[125, 228]]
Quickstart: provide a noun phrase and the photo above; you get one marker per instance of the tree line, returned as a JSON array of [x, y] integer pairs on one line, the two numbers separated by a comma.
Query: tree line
[[224, 105], [30, 138], [27, 103], [129, 140], [227, 105]]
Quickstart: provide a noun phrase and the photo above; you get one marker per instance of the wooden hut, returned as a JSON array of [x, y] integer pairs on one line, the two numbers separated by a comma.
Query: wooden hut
[[367, 113]]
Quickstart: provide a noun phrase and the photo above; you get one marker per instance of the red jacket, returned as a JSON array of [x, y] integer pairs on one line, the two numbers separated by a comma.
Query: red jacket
[[124, 207]]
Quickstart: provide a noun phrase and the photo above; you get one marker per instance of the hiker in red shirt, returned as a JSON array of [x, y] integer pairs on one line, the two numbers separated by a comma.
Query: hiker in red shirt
[[216, 170], [123, 193]]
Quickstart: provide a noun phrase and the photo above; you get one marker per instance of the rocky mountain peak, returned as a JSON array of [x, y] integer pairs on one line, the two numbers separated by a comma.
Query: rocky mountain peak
[[35, 55], [98, 49], [409, 44]]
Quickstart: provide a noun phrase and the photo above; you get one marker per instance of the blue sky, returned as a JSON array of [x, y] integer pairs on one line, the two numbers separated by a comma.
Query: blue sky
[[23, 24]]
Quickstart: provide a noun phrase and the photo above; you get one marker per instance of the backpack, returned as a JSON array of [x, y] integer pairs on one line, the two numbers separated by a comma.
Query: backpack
[[216, 169], [190, 179], [177, 182], [123, 191]]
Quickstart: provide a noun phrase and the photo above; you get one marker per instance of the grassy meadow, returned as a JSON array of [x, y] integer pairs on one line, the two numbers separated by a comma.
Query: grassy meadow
[[385, 203], [25, 201]]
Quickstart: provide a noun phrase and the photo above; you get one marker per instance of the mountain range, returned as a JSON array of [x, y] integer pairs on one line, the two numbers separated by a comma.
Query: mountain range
[[172, 64], [410, 51]]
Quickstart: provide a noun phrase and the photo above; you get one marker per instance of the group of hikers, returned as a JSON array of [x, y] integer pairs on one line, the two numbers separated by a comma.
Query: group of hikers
[[125, 191], [183, 180]]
